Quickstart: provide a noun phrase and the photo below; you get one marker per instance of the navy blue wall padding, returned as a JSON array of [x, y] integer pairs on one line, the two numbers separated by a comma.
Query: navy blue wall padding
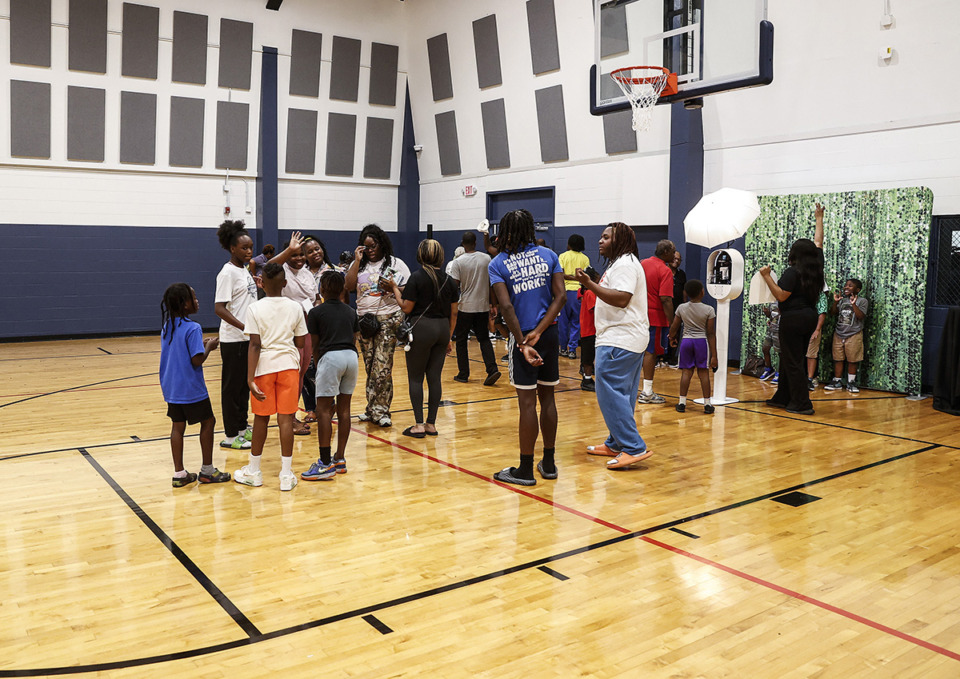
[[102, 279], [267, 198], [408, 195]]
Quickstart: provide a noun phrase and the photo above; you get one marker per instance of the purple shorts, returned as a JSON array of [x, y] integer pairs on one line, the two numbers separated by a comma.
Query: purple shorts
[[693, 353]]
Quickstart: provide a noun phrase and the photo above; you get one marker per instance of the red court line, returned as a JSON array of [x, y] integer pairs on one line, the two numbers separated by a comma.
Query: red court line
[[807, 599], [488, 479]]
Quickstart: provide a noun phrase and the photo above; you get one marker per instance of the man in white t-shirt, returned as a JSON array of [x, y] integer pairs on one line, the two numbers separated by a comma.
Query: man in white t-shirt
[[622, 332]]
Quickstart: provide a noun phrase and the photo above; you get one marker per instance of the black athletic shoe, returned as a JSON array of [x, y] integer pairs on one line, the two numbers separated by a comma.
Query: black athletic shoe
[[708, 409], [681, 407], [588, 385], [460, 378]]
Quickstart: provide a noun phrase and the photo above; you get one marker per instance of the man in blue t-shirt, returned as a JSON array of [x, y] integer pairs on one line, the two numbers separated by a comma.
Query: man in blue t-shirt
[[528, 283]]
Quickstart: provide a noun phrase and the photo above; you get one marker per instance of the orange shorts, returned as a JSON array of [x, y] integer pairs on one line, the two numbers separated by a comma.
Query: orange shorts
[[282, 391]]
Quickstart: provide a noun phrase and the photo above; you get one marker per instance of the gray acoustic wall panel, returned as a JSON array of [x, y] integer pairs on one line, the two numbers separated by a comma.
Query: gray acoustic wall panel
[[141, 41], [345, 69], [186, 132], [189, 48], [30, 32], [138, 128], [613, 31], [495, 134], [438, 53], [383, 74], [88, 36], [447, 143], [301, 141], [487, 48], [542, 25], [341, 140], [553, 124], [233, 127], [618, 134], [29, 119], [305, 63], [86, 116], [378, 152], [236, 54]]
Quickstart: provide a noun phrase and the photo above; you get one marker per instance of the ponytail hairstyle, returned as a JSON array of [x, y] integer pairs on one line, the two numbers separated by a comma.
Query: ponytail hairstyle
[[430, 256], [516, 232], [807, 259], [623, 241], [230, 232], [176, 300]]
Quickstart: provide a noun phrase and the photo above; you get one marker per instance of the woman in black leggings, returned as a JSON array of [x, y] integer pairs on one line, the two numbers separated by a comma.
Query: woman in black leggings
[[430, 301], [797, 292]]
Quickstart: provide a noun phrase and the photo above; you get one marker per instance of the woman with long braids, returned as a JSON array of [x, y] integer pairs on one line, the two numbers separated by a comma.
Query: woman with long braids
[[430, 301], [797, 292], [373, 262], [528, 282], [236, 291], [622, 332]]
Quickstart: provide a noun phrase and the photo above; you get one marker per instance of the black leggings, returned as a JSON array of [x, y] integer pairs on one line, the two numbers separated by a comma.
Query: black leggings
[[431, 337], [796, 327], [234, 392]]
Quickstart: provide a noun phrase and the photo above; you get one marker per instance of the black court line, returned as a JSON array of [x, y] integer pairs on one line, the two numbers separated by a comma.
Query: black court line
[[685, 533], [377, 624], [56, 358], [550, 571], [831, 400], [821, 423], [82, 386], [245, 624], [108, 353], [373, 608]]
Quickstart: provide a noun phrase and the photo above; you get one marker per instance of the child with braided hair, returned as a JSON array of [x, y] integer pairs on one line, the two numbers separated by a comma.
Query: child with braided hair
[[182, 353]]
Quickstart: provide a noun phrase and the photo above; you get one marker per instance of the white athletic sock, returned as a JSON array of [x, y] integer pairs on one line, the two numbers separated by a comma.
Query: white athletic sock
[[182, 474], [648, 386], [706, 400], [229, 439], [851, 378], [286, 465], [683, 400], [253, 466]]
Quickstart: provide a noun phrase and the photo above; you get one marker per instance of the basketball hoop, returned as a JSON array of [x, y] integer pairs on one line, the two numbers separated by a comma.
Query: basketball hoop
[[643, 85]]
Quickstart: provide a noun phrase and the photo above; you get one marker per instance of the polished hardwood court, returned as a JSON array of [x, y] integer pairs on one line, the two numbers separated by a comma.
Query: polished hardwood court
[[753, 543]]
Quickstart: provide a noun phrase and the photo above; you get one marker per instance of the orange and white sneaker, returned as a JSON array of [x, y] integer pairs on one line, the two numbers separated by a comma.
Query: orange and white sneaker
[[626, 459], [602, 450]]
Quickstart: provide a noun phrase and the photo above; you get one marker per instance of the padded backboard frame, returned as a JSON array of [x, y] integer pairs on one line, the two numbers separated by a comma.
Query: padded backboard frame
[[713, 46]]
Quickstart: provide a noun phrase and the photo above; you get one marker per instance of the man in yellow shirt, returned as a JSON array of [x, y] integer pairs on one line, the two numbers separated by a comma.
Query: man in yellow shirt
[[569, 319]]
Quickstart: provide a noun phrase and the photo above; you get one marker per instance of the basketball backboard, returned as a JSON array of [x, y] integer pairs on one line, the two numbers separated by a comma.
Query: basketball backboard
[[712, 45]]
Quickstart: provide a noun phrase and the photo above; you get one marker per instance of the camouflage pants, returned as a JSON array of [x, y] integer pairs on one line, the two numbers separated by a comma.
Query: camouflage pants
[[377, 355]]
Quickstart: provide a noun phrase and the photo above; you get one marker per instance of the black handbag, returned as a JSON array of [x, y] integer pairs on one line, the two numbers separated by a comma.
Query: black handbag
[[369, 326]]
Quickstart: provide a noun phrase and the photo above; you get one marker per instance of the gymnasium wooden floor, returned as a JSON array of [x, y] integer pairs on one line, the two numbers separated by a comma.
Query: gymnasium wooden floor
[[417, 564]]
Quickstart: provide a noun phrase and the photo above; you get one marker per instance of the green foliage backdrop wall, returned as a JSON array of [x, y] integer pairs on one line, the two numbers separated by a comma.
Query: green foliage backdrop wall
[[880, 237]]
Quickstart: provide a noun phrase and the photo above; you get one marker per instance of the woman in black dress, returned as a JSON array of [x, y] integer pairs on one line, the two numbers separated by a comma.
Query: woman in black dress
[[797, 292]]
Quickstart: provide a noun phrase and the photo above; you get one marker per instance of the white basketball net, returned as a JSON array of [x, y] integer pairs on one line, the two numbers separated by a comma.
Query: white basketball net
[[642, 86]]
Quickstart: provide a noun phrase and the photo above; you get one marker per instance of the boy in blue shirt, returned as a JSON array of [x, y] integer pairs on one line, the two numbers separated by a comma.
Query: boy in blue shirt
[[182, 353], [527, 280]]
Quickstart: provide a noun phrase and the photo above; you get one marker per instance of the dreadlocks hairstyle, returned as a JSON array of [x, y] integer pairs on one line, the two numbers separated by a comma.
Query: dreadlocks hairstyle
[[807, 259], [229, 233], [623, 241], [176, 300], [381, 239], [430, 256], [516, 232], [323, 249]]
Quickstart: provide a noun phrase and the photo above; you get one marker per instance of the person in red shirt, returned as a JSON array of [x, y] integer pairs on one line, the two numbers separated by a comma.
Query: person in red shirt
[[588, 331], [659, 311]]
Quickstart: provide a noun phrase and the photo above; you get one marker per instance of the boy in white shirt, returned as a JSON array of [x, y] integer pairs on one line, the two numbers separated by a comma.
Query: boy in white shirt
[[277, 333]]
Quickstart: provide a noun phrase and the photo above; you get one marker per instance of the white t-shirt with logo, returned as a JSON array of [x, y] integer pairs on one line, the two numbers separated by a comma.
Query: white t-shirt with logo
[[369, 294], [277, 320], [626, 328], [236, 289]]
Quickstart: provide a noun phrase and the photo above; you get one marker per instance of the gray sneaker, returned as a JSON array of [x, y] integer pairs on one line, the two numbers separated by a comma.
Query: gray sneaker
[[853, 388], [654, 398], [507, 476], [835, 385]]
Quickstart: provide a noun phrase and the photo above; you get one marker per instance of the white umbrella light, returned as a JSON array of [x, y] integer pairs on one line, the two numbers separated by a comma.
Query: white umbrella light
[[720, 217]]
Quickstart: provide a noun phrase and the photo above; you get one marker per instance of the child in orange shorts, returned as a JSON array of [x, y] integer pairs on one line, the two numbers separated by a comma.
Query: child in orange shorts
[[277, 333]]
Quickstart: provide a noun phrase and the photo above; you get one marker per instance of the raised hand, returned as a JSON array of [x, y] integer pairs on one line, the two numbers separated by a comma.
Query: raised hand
[[296, 242]]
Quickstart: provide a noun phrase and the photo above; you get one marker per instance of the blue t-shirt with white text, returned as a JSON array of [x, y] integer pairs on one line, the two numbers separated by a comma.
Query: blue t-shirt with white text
[[527, 275]]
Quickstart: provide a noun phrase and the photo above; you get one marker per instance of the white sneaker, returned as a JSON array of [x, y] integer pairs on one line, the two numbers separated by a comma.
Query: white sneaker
[[385, 421], [248, 478], [651, 398], [287, 481]]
